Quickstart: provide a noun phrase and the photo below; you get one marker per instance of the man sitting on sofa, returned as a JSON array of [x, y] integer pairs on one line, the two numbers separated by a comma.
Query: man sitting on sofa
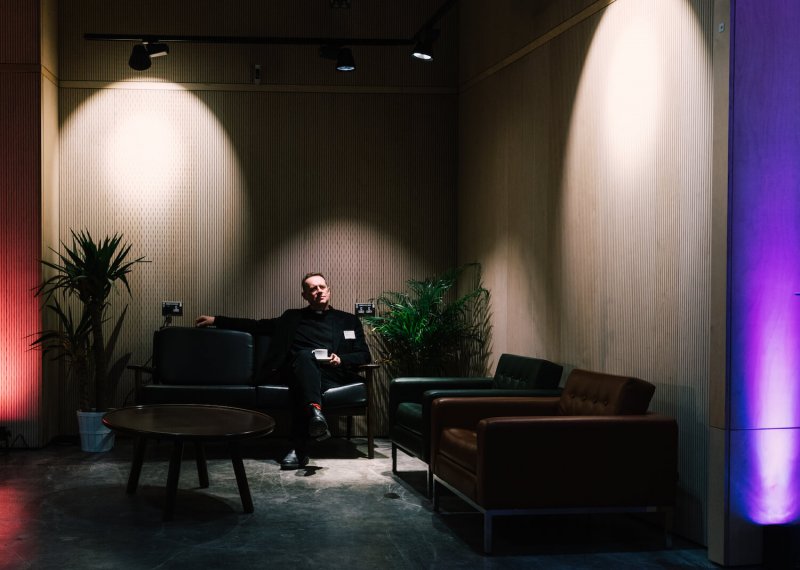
[[290, 360]]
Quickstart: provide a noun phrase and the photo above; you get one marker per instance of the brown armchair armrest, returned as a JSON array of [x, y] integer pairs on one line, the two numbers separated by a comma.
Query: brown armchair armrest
[[467, 412]]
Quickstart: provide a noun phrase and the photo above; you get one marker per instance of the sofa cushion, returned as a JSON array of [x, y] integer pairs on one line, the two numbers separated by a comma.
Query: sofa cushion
[[409, 415], [460, 446], [595, 394], [236, 396], [184, 356], [515, 372], [347, 396]]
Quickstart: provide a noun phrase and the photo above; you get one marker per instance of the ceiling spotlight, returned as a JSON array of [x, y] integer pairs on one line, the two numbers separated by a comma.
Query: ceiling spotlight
[[342, 55], [344, 60], [142, 54], [140, 59], [423, 49]]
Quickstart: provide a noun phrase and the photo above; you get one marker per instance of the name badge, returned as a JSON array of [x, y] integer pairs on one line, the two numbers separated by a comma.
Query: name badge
[[350, 335]]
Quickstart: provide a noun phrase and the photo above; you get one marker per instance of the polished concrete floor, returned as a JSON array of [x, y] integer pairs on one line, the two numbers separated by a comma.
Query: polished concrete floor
[[62, 508]]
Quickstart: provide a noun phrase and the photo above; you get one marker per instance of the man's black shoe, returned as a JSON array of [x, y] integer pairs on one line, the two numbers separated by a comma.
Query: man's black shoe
[[293, 461], [317, 426]]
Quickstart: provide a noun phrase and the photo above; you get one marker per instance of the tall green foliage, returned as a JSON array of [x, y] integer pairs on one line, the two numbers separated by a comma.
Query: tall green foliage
[[440, 327], [89, 272]]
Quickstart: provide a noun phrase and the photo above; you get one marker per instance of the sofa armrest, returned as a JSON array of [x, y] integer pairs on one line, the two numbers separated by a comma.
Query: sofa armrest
[[138, 381], [467, 412], [577, 461], [430, 395], [411, 389], [140, 369]]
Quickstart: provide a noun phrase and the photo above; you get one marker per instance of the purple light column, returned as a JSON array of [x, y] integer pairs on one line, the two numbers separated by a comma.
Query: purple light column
[[764, 261]]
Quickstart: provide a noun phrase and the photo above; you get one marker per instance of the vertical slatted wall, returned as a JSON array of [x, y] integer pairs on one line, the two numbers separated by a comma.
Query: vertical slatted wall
[[586, 166], [233, 191], [20, 242]]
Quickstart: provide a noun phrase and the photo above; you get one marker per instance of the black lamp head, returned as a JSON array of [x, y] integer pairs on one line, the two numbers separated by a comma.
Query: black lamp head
[[423, 49], [342, 55], [344, 60], [142, 54], [140, 59]]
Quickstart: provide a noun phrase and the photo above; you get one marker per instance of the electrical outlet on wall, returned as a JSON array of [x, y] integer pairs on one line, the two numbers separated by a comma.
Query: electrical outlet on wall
[[171, 308], [365, 309]]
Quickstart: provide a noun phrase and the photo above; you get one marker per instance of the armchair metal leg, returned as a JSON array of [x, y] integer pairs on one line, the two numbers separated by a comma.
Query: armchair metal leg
[[487, 532], [668, 522], [429, 481], [394, 458], [369, 414]]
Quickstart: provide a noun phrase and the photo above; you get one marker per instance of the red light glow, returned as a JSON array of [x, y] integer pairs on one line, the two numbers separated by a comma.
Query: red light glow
[[20, 368]]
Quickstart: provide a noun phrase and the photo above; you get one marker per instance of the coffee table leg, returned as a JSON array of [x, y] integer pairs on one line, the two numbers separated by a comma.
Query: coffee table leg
[[172, 479], [241, 478], [136, 464], [202, 465]]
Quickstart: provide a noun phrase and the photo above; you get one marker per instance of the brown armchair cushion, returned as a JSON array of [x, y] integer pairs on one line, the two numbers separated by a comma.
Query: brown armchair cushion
[[595, 394]]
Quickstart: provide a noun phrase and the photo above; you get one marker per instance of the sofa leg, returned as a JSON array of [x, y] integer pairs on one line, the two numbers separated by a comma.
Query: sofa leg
[[429, 482], [370, 438], [394, 458], [435, 497], [668, 522], [487, 533]]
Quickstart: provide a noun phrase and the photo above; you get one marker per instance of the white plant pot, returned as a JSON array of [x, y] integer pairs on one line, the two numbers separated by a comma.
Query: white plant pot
[[95, 437]]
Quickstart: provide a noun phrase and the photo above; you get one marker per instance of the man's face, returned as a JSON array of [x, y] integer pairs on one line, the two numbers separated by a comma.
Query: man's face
[[316, 292]]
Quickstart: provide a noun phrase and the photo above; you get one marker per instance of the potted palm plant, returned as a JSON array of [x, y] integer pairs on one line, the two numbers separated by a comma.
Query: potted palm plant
[[440, 327], [87, 271]]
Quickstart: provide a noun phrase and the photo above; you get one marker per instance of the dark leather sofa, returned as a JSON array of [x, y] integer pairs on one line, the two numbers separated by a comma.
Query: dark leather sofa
[[410, 399], [220, 367], [594, 449]]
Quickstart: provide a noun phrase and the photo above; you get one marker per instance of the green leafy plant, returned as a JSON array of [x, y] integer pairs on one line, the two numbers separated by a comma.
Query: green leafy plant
[[432, 330], [88, 271]]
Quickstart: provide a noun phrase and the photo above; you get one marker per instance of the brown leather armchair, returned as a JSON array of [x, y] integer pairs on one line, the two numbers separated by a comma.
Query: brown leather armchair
[[410, 399], [594, 449]]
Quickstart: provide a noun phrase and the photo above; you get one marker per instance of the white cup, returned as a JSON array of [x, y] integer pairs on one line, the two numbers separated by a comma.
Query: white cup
[[320, 353]]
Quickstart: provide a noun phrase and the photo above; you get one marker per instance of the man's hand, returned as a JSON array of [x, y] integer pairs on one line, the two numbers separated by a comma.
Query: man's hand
[[204, 321], [335, 360]]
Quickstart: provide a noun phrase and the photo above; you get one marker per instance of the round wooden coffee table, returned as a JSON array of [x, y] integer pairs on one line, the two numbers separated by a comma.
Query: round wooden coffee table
[[198, 424]]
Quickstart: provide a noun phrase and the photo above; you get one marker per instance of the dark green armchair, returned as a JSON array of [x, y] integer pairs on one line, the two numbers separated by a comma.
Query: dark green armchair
[[411, 398]]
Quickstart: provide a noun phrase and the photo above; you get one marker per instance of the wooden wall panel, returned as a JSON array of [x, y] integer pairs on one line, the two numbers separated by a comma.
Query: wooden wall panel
[[233, 190], [19, 32], [20, 368], [586, 166], [28, 157], [52, 388], [233, 196]]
